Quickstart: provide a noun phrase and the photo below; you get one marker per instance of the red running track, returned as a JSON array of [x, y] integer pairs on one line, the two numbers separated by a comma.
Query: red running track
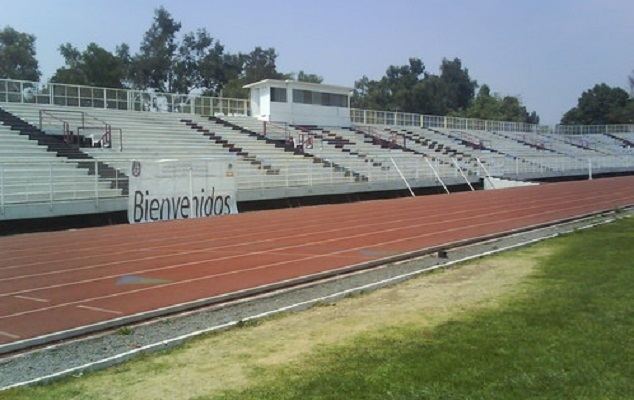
[[50, 282]]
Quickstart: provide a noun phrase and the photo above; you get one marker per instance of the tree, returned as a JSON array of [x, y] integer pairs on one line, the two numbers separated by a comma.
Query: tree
[[601, 105], [631, 80], [397, 90], [255, 66], [95, 66], [311, 78], [409, 88], [260, 64], [153, 66], [495, 107], [431, 96], [460, 87], [17, 55], [122, 52], [199, 64]]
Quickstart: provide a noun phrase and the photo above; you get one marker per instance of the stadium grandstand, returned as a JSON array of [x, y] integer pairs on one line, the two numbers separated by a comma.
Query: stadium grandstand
[[68, 149]]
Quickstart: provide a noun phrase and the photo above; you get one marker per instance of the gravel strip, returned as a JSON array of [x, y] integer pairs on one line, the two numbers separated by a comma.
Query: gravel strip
[[113, 347]]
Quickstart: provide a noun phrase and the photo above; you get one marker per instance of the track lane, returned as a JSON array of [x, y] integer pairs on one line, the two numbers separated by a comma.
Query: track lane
[[323, 239], [93, 240], [30, 270], [327, 246]]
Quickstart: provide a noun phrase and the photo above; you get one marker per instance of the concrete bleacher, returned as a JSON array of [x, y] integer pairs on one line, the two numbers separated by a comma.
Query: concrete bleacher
[[352, 149], [411, 162], [162, 136], [287, 165], [340, 159], [30, 173]]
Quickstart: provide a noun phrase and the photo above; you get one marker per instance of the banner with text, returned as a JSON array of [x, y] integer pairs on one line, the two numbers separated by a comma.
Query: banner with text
[[168, 189]]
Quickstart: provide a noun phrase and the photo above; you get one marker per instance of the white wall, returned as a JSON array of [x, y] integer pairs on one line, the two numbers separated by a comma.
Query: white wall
[[255, 101], [497, 183], [309, 114], [296, 113]]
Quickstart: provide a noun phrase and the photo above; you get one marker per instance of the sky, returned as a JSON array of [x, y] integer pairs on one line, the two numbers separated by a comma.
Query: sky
[[545, 52]]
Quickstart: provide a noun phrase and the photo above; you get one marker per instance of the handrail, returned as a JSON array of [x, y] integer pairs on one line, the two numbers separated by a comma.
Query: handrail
[[105, 139], [436, 174], [50, 111], [282, 125], [457, 166], [21, 91], [66, 132]]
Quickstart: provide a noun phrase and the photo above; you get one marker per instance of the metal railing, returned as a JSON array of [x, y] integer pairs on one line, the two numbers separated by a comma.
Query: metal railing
[[593, 129], [72, 128], [58, 180], [276, 130], [50, 182], [374, 117], [19, 91]]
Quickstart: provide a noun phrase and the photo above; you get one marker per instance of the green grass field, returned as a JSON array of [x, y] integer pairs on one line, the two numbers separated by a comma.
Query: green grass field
[[564, 328], [573, 337]]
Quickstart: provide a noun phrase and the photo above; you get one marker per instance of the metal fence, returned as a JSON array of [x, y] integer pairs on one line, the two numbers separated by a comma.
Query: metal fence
[[58, 180], [374, 117], [593, 129], [20, 91], [17, 91]]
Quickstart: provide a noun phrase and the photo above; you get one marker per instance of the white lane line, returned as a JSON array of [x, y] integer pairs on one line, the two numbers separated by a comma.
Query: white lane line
[[175, 340], [221, 248], [350, 222], [9, 335], [456, 211], [482, 194], [575, 198], [38, 299], [188, 239], [272, 265], [99, 309]]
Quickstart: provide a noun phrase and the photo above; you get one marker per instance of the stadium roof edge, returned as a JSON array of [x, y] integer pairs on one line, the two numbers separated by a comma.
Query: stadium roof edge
[[308, 85]]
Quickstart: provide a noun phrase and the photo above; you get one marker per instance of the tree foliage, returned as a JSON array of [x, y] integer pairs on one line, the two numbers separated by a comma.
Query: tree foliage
[[601, 105], [257, 65], [153, 67], [310, 78], [410, 88], [95, 66], [199, 64], [17, 55], [168, 61], [495, 107], [459, 86]]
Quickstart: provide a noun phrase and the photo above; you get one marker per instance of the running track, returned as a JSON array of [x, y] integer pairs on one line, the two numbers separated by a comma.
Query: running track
[[51, 282]]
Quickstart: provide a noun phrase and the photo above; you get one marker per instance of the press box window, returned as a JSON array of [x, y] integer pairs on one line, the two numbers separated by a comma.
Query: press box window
[[319, 98], [278, 95]]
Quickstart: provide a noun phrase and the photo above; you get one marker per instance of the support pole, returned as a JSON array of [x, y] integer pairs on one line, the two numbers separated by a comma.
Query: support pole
[[589, 169], [402, 177], [486, 172], [455, 163], [436, 174]]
